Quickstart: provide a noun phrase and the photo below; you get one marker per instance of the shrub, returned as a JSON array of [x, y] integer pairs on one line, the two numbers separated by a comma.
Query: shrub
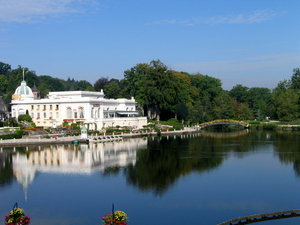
[[270, 126], [24, 117], [254, 122]]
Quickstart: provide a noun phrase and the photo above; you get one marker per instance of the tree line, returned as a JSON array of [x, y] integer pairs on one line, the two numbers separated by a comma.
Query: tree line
[[163, 93]]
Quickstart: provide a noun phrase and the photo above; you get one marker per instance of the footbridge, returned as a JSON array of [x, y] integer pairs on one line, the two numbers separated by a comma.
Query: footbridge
[[263, 217], [224, 122]]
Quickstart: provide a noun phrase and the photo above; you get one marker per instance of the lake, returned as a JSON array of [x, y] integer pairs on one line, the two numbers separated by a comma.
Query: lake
[[203, 178]]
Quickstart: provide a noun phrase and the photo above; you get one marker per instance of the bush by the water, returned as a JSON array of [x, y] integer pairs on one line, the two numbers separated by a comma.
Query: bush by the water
[[254, 122], [269, 126], [16, 135]]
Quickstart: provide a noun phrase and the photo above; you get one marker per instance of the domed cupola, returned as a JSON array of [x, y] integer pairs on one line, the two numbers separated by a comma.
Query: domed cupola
[[23, 92]]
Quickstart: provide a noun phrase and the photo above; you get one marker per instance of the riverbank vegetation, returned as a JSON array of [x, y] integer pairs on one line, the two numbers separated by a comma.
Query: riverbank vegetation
[[163, 94]]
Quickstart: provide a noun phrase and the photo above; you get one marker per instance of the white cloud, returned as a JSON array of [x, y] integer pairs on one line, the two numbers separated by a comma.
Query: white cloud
[[257, 16], [38, 10]]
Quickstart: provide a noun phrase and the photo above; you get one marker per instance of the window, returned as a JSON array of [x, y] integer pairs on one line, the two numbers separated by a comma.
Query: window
[[38, 115], [57, 115], [32, 115], [56, 107], [92, 114], [75, 115], [32, 107], [44, 107], [38, 107], [45, 115], [69, 113], [111, 115], [105, 115], [50, 107], [81, 112]]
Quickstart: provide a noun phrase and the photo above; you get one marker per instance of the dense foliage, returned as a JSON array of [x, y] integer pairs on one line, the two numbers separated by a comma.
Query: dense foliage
[[162, 93]]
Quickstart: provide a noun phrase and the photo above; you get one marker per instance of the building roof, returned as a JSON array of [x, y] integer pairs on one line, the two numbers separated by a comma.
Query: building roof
[[34, 88], [23, 91]]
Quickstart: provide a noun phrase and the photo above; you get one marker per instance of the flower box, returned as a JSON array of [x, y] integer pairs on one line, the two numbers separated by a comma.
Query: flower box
[[38, 118], [50, 118], [68, 120]]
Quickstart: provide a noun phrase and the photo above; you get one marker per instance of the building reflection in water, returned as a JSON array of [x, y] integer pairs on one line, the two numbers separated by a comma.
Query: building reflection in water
[[74, 159]]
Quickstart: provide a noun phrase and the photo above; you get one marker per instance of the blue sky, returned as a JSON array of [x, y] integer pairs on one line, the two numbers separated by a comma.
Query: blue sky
[[254, 43]]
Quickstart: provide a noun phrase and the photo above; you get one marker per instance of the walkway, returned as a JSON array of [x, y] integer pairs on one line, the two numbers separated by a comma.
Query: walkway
[[263, 217], [42, 140]]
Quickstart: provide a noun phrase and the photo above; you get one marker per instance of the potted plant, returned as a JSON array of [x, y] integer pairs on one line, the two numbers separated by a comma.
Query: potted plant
[[17, 217], [118, 217]]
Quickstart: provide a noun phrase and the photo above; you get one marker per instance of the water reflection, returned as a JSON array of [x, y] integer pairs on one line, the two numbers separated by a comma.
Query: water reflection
[[27, 162], [6, 170], [225, 134], [152, 165], [287, 148]]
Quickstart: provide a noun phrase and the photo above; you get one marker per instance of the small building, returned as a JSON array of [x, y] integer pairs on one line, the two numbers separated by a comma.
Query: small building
[[91, 108]]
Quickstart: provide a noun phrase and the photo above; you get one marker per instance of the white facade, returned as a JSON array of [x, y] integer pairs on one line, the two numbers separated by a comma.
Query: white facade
[[73, 106]]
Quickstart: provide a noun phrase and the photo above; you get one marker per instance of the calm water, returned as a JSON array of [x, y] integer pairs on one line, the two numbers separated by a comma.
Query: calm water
[[200, 179]]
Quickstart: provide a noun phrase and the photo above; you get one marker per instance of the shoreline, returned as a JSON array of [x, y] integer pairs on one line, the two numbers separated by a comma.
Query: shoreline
[[61, 139], [40, 140]]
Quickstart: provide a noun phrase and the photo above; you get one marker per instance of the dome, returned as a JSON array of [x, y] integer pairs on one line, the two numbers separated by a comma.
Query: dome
[[24, 91]]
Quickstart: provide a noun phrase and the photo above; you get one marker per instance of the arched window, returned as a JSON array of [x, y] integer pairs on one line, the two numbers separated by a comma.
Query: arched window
[[69, 113], [81, 112]]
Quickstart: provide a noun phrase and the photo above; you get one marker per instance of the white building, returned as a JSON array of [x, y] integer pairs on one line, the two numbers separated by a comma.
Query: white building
[[73, 106]]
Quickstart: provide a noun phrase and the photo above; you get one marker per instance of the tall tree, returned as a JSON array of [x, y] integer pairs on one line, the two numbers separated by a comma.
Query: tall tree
[[287, 105], [101, 83], [112, 90], [223, 106], [207, 86], [295, 83], [3, 84], [239, 93], [5, 69], [159, 88]]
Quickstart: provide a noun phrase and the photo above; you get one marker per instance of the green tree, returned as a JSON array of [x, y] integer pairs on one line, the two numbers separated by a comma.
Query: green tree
[[287, 105], [48, 83], [256, 97], [239, 93], [3, 84], [223, 106], [207, 109], [207, 86], [82, 85], [159, 88], [133, 82], [5, 69], [198, 112], [89, 88], [101, 83], [112, 90], [182, 111], [295, 82], [243, 112]]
